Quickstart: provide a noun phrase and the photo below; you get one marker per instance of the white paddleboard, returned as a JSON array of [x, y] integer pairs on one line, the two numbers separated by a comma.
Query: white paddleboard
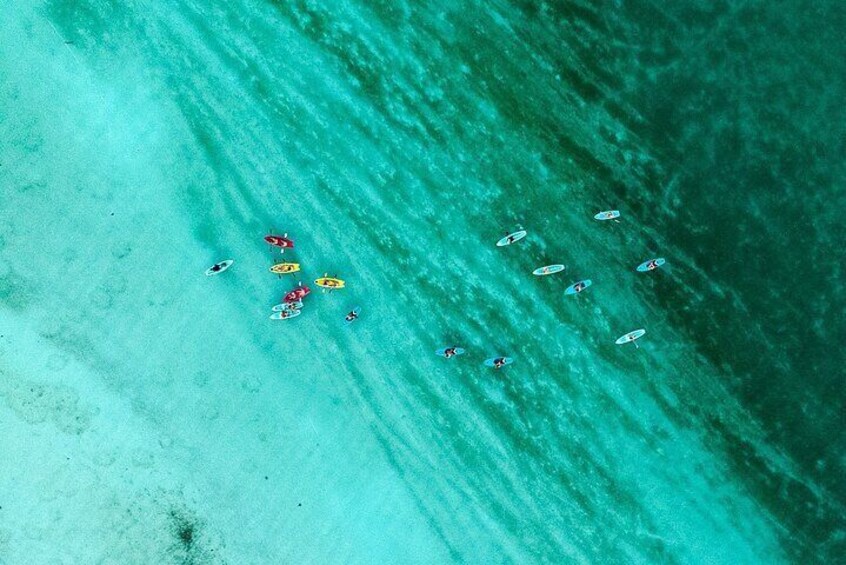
[[572, 288], [285, 314], [442, 351], [647, 266], [630, 337], [608, 215], [512, 238], [548, 270], [356, 311], [222, 266], [490, 362]]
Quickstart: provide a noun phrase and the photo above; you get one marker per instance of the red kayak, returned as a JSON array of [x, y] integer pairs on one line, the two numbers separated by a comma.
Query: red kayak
[[297, 294], [280, 241]]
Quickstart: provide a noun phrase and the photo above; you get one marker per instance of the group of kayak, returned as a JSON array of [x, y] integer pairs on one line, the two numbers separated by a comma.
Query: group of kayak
[[292, 302], [575, 288]]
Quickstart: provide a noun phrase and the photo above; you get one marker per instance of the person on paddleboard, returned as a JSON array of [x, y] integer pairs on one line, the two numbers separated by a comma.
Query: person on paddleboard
[[499, 362], [653, 264], [449, 352], [351, 316], [579, 287]]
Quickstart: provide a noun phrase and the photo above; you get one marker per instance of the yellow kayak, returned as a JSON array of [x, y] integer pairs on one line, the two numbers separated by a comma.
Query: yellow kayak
[[329, 282], [285, 268]]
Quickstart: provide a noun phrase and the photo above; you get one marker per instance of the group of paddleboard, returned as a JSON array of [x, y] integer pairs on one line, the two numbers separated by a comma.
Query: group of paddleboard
[[291, 304], [575, 288], [495, 362]]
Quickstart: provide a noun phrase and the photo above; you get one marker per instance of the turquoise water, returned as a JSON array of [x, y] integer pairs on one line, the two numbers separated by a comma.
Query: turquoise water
[[157, 416]]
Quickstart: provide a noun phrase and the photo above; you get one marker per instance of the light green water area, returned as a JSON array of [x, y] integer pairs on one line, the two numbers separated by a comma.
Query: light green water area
[[151, 414]]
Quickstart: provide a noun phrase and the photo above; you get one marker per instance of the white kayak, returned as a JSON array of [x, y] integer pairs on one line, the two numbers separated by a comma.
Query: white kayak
[[218, 268], [287, 306], [285, 314]]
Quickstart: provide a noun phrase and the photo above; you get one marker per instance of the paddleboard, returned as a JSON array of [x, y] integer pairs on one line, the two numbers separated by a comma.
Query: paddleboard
[[572, 288], [490, 362], [285, 268], [608, 215], [297, 294], [330, 283], [511, 238], [222, 266], [629, 337], [287, 306], [548, 270], [280, 241], [644, 267], [285, 314], [442, 351], [357, 311]]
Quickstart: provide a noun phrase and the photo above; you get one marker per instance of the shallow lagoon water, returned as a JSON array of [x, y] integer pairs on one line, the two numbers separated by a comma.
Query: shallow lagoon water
[[157, 415]]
